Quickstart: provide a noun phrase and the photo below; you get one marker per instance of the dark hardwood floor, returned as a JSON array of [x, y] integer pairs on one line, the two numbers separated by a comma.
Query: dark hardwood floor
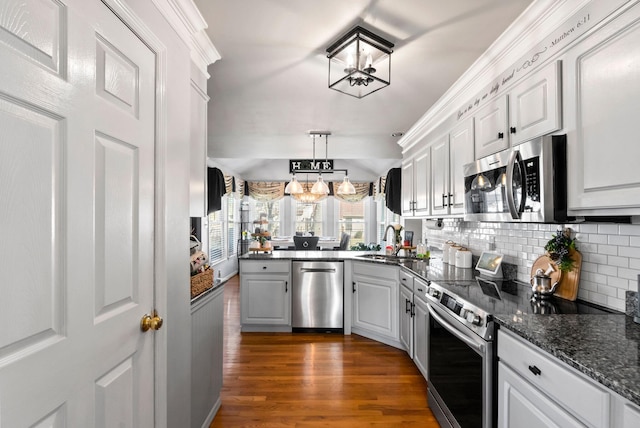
[[315, 380]]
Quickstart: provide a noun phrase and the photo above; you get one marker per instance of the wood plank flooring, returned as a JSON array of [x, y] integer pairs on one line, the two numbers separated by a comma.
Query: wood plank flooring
[[315, 380]]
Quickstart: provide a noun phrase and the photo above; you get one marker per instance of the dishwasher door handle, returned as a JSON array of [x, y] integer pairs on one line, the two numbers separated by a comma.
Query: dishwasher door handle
[[321, 270]]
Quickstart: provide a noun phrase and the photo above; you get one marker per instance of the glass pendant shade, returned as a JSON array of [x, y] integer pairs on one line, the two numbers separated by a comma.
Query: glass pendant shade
[[480, 182], [320, 187], [293, 187], [346, 188]]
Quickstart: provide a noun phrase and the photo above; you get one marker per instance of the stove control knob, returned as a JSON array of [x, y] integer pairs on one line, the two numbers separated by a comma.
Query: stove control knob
[[433, 292], [473, 318]]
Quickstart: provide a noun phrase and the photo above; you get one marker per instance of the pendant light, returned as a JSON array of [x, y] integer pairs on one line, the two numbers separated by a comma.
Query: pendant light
[[320, 187], [293, 187], [346, 188]]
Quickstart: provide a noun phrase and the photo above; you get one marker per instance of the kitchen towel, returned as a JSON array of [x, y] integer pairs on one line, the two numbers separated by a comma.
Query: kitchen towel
[[393, 191]]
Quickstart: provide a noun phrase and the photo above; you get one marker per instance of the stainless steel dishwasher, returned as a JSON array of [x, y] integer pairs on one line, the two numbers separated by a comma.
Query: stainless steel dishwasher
[[317, 300]]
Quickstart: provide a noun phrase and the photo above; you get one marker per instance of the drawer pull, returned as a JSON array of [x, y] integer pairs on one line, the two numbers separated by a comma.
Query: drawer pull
[[535, 370], [264, 267]]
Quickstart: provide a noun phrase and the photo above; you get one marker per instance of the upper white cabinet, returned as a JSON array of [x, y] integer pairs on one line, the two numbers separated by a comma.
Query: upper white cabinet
[[535, 105], [530, 109], [449, 154], [491, 125], [198, 147], [415, 184], [603, 93]]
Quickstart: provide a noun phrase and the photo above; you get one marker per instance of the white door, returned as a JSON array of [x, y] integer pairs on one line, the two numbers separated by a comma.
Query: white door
[[77, 217]]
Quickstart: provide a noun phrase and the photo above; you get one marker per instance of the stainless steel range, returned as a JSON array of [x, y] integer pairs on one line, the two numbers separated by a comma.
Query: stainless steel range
[[461, 348]]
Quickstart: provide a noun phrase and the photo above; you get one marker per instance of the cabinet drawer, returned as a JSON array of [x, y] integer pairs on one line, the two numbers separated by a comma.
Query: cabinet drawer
[[406, 279], [420, 287], [270, 266], [567, 387], [376, 270]]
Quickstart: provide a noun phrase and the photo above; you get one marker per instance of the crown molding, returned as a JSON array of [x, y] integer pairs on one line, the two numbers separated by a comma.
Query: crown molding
[[541, 18], [185, 18]]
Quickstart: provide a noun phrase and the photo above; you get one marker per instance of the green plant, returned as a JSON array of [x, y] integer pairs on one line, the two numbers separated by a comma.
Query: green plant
[[361, 246], [559, 249]]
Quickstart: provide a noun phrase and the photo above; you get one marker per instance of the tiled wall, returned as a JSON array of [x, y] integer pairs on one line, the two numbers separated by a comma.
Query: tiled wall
[[610, 252]]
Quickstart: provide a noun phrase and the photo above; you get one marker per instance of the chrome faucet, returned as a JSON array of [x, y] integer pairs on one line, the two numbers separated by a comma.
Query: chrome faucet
[[396, 247]]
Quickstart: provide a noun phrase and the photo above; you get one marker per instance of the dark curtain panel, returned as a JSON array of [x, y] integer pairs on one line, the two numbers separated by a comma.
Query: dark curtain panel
[[216, 189], [393, 190]]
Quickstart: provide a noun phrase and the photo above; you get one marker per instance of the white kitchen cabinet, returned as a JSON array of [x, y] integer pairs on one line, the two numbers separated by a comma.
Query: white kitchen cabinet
[[207, 338], [198, 146], [415, 184], [265, 295], [491, 124], [603, 99], [523, 406], [535, 105], [420, 326], [630, 415], [375, 298], [440, 175], [406, 319], [461, 152], [535, 388]]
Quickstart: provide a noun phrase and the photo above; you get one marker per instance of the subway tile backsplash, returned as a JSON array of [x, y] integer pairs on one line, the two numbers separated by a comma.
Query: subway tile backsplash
[[610, 252]]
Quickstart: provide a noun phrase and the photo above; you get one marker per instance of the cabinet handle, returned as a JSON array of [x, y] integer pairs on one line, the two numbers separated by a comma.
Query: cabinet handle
[[407, 306], [420, 290], [413, 312], [264, 267], [500, 135], [354, 286], [535, 370], [444, 203], [512, 129], [450, 199], [286, 286]]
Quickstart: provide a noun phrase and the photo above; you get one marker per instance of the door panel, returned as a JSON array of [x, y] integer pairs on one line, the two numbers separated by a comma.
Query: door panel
[[77, 217]]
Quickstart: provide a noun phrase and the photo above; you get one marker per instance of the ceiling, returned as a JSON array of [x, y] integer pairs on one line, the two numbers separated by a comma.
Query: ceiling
[[270, 87]]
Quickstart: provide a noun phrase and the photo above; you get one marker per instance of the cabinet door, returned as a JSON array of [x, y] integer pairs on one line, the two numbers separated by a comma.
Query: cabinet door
[[265, 299], [375, 305], [420, 325], [406, 319], [440, 176], [601, 110], [198, 153], [490, 126], [534, 105], [461, 152], [421, 174], [630, 416], [523, 406], [407, 188]]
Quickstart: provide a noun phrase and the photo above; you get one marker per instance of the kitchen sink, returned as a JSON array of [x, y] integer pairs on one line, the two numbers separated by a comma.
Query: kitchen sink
[[386, 258]]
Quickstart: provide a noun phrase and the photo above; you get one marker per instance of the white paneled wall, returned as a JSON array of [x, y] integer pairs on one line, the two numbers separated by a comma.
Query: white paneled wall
[[611, 252]]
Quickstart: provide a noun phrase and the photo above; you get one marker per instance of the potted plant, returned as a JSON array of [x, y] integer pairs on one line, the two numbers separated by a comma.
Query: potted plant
[[561, 248]]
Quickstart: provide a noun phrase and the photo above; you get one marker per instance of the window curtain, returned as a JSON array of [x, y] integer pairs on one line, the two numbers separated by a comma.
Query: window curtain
[[393, 190], [216, 189], [362, 191], [265, 191]]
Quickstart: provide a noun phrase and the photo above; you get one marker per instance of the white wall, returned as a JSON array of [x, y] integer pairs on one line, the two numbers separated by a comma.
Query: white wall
[[610, 252]]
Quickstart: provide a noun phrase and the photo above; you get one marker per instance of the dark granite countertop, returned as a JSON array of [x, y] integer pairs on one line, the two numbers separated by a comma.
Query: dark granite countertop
[[604, 347]]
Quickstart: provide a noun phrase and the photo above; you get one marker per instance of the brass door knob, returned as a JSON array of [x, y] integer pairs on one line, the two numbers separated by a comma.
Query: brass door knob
[[150, 322]]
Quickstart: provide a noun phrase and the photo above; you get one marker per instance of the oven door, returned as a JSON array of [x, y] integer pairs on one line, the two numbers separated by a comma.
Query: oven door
[[460, 373]]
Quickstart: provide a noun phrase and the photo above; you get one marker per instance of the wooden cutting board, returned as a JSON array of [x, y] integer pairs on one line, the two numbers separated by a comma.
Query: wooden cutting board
[[568, 286]]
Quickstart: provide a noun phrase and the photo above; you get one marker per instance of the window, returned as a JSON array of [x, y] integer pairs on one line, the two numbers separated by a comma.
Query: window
[[309, 217], [351, 220], [268, 212], [232, 225], [216, 236], [385, 217]]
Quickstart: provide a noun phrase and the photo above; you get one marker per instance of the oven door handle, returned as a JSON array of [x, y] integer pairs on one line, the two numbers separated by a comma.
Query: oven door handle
[[457, 333]]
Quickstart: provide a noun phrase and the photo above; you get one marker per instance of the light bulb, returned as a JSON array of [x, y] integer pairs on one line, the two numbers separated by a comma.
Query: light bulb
[[346, 188], [320, 187], [293, 187]]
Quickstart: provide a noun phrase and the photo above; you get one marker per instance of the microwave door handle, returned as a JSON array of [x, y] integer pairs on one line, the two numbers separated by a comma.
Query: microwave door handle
[[514, 159]]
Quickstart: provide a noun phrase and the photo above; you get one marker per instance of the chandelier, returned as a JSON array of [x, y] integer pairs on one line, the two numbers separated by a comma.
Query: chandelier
[[320, 189], [359, 63]]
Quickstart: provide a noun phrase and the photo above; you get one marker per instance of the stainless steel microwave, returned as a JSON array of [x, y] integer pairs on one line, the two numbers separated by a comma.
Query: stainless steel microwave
[[526, 183]]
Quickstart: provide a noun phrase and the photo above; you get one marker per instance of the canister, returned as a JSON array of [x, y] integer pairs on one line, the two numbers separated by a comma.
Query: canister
[[463, 258], [445, 251], [452, 254]]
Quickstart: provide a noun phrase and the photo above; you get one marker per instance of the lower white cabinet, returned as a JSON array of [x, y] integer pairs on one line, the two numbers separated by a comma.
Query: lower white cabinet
[[420, 326], [406, 319], [265, 295], [207, 339], [536, 389], [375, 302]]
